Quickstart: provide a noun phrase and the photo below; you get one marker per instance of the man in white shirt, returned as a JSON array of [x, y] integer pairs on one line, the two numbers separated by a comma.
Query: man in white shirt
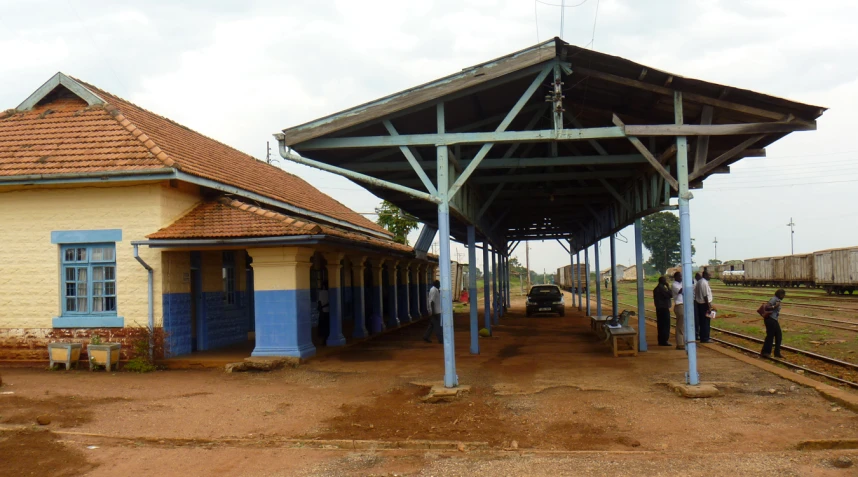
[[703, 303], [434, 314], [678, 309]]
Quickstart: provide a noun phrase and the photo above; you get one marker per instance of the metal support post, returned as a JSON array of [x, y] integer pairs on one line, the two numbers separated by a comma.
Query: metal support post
[[451, 380], [640, 280], [587, 277], [472, 289], [487, 308], [572, 274], [613, 275], [685, 243], [501, 299], [495, 317], [578, 273], [598, 280]]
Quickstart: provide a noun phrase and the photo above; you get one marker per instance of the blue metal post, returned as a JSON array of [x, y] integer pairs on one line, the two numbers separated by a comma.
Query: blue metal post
[[685, 243], [598, 280], [613, 275], [587, 276], [487, 308], [578, 273], [472, 289], [451, 380], [495, 317], [572, 273], [640, 277], [499, 258]]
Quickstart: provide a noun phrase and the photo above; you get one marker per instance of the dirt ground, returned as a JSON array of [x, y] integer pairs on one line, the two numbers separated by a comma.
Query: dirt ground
[[547, 398]]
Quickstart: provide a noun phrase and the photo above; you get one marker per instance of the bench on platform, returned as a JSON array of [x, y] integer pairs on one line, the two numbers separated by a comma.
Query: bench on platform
[[597, 322], [626, 334]]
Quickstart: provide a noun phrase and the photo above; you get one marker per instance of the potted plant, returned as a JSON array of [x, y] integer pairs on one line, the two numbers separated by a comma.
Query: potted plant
[[102, 354], [65, 353]]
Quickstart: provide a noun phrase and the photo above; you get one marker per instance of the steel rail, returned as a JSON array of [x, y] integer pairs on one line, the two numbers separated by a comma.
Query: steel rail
[[792, 365], [811, 354]]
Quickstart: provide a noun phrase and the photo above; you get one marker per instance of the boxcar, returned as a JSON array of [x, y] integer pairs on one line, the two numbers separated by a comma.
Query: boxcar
[[836, 270], [568, 278], [786, 271], [733, 277], [760, 271], [798, 270]]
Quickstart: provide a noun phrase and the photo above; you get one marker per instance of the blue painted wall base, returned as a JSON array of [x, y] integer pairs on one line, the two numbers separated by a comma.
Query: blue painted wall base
[[283, 325]]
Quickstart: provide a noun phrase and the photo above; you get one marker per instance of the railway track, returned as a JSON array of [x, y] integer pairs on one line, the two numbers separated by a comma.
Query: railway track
[[792, 303], [826, 322], [848, 369], [804, 294]]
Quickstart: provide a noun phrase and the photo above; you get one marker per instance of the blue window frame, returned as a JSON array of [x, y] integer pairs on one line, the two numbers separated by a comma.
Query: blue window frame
[[89, 279], [229, 296]]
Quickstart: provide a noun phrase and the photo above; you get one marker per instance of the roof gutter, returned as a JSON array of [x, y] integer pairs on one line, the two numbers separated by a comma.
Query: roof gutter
[[148, 174]]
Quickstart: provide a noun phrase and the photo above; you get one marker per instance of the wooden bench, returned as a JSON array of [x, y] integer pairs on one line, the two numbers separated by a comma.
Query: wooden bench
[[624, 333], [597, 323]]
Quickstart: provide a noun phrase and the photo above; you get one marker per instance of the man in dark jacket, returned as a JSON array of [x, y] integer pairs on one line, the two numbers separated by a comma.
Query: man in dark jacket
[[661, 295]]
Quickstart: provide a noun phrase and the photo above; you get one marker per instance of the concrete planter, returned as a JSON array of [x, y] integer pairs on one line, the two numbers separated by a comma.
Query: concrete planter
[[65, 353], [105, 354]]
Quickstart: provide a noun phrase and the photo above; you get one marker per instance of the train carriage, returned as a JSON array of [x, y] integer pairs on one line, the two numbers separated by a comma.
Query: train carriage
[[785, 271], [836, 270]]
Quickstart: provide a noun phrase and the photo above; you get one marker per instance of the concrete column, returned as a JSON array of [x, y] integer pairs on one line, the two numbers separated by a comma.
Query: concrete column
[[393, 293], [376, 320], [487, 308], [358, 288], [598, 280], [640, 279], [335, 298], [282, 301], [472, 289]]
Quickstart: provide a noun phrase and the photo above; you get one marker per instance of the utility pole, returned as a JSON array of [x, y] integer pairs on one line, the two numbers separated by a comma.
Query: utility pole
[[527, 262], [544, 277], [791, 226], [716, 247]]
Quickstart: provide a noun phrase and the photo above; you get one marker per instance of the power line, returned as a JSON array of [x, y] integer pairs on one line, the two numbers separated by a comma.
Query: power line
[[560, 5], [593, 37]]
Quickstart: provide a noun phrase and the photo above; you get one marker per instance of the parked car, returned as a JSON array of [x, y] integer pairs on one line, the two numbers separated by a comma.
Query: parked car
[[545, 299]]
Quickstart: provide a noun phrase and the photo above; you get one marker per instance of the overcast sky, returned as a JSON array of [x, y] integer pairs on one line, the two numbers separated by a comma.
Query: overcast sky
[[241, 70]]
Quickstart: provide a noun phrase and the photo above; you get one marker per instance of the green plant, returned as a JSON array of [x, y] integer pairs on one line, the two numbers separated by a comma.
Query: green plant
[[141, 360], [96, 340]]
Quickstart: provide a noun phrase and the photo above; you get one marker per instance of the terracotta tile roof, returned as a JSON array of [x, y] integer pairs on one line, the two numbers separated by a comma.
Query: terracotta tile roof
[[231, 218], [63, 135], [202, 156]]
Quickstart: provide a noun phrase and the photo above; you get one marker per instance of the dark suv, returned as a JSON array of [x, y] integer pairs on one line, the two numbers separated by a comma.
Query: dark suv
[[545, 299]]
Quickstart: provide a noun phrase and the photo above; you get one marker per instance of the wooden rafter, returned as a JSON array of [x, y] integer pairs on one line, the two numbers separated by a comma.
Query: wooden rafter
[[648, 155]]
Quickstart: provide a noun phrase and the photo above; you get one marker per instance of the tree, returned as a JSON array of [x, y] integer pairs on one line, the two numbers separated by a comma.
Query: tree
[[397, 222], [515, 266], [714, 262], [660, 235]]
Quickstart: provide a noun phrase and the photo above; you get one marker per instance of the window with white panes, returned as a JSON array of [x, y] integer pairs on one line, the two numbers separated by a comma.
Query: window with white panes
[[89, 279]]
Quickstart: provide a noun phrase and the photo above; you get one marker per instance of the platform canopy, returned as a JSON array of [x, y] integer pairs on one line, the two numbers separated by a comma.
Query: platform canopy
[[532, 159]]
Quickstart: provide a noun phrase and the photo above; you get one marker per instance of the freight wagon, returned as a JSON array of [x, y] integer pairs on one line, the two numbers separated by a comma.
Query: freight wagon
[[733, 277], [567, 277], [787, 271], [836, 270]]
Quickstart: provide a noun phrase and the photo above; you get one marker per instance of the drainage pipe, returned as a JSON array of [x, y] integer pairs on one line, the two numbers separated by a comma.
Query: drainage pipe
[[151, 303]]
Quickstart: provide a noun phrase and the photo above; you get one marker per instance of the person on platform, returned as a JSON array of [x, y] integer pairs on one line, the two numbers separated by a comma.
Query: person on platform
[[661, 296], [703, 306], [773, 326], [434, 314], [678, 309]]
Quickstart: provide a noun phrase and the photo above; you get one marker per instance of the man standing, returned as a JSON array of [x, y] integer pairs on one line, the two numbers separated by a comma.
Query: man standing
[[678, 309], [773, 327], [661, 296], [703, 304], [434, 314]]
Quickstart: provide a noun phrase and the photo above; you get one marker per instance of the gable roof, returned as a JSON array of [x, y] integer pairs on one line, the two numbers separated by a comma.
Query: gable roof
[[70, 126], [228, 218]]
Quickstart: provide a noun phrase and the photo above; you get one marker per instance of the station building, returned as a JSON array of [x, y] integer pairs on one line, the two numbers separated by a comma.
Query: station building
[[116, 219]]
